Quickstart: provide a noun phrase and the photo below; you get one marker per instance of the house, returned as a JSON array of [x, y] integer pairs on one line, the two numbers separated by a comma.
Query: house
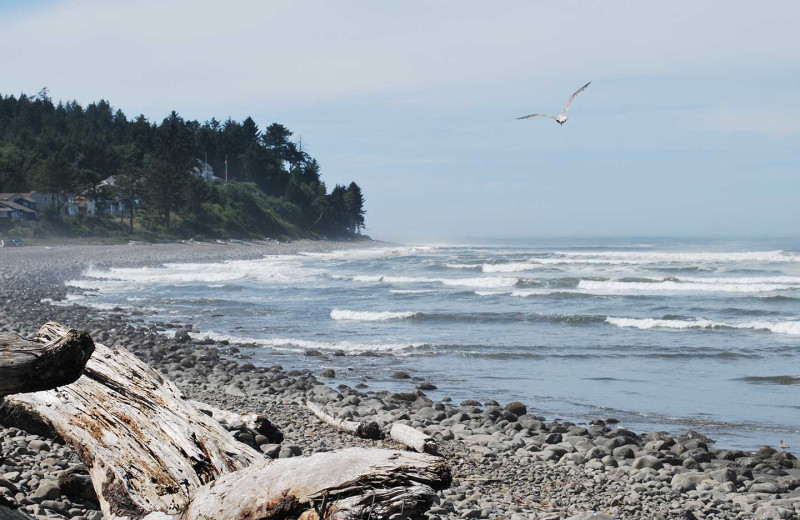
[[79, 205], [18, 206], [205, 171]]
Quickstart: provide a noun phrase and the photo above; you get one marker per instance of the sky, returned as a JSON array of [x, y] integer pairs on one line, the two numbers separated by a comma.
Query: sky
[[690, 128]]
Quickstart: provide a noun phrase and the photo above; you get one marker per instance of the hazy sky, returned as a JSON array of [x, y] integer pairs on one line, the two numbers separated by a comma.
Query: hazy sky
[[691, 126]]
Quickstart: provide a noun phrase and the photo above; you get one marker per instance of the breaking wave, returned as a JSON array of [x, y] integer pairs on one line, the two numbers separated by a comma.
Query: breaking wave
[[780, 327], [339, 314]]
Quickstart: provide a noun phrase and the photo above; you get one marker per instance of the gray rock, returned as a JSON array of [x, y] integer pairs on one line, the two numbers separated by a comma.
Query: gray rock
[[55, 505], [769, 512], [647, 461], [290, 451], [724, 475], [764, 487], [682, 483], [623, 452], [270, 450], [591, 515], [38, 445], [47, 490], [234, 391], [329, 373]]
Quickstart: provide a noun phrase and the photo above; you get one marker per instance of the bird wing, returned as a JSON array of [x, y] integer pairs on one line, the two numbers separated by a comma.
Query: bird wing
[[573, 96], [536, 115]]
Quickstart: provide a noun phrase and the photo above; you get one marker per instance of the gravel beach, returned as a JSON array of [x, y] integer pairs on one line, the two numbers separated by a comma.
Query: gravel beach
[[508, 462]]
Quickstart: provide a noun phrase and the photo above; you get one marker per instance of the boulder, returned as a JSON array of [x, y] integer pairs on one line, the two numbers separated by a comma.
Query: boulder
[[647, 461], [516, 408]]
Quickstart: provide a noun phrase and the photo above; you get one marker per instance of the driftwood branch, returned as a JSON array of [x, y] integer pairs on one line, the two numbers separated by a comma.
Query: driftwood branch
[[359, 483], [146, 448], [413, 438], [50, 362], [366, 430], [152, 455]]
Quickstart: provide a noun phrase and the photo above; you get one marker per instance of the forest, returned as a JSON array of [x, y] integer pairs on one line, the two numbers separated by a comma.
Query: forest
[[264, 185]]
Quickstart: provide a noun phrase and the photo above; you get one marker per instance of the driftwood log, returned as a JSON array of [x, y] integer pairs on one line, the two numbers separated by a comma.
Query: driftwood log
[[366, 430], [153, 455], [413, 438], [31, 366]]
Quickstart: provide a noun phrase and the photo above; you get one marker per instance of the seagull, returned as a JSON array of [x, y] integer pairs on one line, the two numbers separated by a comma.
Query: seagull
[[783, 445], [562, 117]]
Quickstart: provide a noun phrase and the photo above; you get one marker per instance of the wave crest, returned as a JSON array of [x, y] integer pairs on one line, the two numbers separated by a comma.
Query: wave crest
[[342, 314]]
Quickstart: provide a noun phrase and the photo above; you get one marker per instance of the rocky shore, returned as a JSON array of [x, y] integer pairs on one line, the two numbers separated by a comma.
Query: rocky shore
[[507, 461]]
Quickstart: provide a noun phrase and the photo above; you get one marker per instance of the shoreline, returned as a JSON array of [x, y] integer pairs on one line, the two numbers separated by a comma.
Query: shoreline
[[535, 468]]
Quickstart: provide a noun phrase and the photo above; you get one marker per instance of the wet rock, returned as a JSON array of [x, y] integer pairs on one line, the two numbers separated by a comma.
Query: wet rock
[[516, 408]]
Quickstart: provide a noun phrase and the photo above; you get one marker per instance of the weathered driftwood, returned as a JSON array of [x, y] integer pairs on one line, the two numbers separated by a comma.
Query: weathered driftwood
[[31, 366], [146, 448], [153, 455], [413, 438], [255, 422], [366, 430], [355, 483]]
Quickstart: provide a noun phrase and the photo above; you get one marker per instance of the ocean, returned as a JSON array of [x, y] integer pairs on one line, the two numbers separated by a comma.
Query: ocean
[[662, 335]]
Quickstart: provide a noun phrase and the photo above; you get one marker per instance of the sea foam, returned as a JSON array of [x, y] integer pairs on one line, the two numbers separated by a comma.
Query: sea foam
[[780, 327], [341, 314]]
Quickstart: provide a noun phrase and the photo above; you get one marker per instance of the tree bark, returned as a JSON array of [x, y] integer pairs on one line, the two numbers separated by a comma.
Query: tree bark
[[31, 366], [358, 483], [153, 455], [366, 430], [413, 438]]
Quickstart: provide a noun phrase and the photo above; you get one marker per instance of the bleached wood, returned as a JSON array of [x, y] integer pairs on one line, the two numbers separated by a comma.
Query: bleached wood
[[153, 455], [358, 483], [413, 438], [31, 366], [226, 416], [146, 447], [367, 430]]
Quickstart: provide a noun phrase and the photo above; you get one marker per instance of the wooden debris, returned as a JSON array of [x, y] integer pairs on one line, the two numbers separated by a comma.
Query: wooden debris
[[50, 362], [153, 455], [413, 438], [366, 430]]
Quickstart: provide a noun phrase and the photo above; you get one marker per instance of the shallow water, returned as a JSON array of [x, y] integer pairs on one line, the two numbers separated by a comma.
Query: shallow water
[[665, 335]]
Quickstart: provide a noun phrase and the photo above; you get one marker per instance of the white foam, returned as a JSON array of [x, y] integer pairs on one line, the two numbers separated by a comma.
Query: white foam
[[510, 267], [781, 327], [462, 266], [651, 257], [342, 314], [491, 293], [299, 345], [412, 291], [484, 282], [367, 254], [616, 287]]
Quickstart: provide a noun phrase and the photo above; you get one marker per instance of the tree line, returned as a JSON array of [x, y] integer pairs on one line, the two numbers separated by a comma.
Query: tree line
[[274, 185]]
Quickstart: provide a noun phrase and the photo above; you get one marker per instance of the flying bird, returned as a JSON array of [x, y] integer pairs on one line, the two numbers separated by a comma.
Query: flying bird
[[562, 117]]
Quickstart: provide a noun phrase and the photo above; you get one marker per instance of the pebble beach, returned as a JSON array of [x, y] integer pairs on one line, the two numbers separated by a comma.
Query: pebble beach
[[508, 461]]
